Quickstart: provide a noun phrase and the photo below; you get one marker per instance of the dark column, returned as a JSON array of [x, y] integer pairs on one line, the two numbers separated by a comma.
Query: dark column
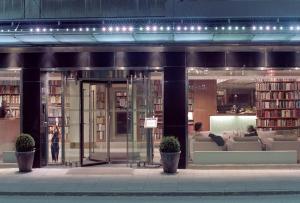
[[31, 103], [175, 108]]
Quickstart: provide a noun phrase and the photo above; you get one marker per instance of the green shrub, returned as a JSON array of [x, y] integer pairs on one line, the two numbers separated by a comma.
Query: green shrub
[[169, 144], [25, 143]]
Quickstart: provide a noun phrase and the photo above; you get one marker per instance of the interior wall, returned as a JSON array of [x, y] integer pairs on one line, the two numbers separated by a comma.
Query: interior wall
[[205, 101]]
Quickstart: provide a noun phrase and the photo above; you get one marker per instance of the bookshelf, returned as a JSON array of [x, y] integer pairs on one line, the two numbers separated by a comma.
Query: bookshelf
[[157, 94], [101, 113], [54, 105], [10, 92], [278, 104]]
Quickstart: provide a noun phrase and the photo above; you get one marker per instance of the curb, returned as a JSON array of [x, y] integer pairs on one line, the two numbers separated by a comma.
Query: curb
[[144, 194]]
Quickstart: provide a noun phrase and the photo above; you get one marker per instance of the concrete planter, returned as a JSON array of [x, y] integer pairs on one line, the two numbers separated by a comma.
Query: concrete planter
[[25, 161], [170, 161]]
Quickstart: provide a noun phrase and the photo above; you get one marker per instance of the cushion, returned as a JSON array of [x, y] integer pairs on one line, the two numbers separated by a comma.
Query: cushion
[[246, 139], [285, 138], [266, 134], [202, 139]]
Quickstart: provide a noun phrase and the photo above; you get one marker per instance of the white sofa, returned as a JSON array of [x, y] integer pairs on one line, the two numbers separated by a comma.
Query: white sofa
[[284, 143], [203, 143], [244, 144]]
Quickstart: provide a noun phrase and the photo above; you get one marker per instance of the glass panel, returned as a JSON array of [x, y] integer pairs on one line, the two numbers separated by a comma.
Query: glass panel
[[55, 123], [72, 122], [9, 114], [250, 110], [94, 123], [118, 122]]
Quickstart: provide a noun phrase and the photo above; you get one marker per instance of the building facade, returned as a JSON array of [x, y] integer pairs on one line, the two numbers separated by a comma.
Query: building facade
[[96, 70]]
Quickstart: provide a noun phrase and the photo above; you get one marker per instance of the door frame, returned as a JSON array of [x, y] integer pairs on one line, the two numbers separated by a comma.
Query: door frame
[[108, 139]]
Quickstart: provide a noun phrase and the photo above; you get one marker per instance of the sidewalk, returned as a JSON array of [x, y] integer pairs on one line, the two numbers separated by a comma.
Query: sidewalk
[[121, 181]]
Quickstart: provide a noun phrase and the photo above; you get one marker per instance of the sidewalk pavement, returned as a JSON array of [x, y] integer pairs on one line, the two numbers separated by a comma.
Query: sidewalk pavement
[[122, 181]]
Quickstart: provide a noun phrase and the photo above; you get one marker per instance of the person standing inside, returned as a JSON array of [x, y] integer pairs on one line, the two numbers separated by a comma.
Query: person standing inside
[[55, 144]]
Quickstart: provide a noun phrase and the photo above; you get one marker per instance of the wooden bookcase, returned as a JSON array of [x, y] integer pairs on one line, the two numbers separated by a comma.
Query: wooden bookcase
[[157, 94], [278, 104], [10, 92]]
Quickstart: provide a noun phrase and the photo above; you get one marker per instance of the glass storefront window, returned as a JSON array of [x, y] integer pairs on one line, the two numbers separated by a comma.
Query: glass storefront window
[[9, 113], [109, 109], [243, 111]]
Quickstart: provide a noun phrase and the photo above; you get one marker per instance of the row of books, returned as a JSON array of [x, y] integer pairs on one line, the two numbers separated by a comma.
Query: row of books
[[7, 89], [10, 99], [277, 95], [55, 99], [157, 101], [278, 123], [277, 80], [55, 90], [278, 113], [158, 107], [276, 86], [277, 104], [55, 82]]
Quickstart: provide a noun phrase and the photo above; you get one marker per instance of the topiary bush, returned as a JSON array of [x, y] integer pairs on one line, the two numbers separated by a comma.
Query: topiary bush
[[169, 144], [25, 143]]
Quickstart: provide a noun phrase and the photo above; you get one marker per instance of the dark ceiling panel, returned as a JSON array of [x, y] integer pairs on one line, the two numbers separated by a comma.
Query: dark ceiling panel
[[206, 59], [245, 59], [282, 59]]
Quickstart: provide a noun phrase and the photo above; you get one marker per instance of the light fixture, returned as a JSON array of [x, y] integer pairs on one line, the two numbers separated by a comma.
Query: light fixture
[[124, 29], [216, 28], [254, 28], [229, 28], [37, 29], [185, 28], [80, 29], [110, 29], [31, 30], [74, 29], [130, 28], [274, 28], [236, 28], [117, 29], [243, 28], [227, 68], [291, 28], [141, 28], [161, 28], [87, 29], [192, 28], [261, 27], [205, 28], [267, 28], [199, 28], [223, 28], [281, 28], [103, 29], [154, 28], [44, 29], [298, 28], [178, 28], [94, 29], [168, 28], [50, 29], [148, 28], [67, 29]]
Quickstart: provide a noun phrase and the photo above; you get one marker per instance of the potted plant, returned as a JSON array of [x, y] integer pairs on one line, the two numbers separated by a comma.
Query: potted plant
[[170, 153], [25, 152]]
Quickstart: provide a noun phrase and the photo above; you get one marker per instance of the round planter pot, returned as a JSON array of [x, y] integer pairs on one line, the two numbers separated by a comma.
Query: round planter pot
[[25, 161], [170, 161]]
